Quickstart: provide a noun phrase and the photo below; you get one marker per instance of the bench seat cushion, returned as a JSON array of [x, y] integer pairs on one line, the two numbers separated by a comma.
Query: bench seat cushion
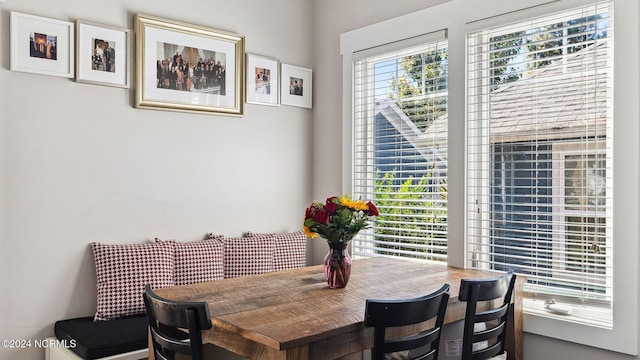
[[98, 339]]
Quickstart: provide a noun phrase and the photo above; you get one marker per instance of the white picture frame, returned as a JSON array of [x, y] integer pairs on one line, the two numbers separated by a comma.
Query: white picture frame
[[263, 79], [41, 45], [296, 85], [102, 54]]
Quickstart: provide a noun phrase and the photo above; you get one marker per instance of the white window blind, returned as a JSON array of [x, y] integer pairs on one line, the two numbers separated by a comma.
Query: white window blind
[[400, 91], [539, 151]]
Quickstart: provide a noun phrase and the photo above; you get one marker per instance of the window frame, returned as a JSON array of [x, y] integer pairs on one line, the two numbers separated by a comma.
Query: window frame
[[560, 152], [460, 17]]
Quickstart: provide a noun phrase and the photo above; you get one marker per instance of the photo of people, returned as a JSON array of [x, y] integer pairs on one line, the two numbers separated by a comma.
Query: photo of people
[[43, 46], [263, 81], [295, 86], [103, 55], [186, 68]]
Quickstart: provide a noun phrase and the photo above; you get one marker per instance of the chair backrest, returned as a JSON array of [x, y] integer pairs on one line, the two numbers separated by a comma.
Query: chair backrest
[[176, 326], [487, 328], [382, 314]]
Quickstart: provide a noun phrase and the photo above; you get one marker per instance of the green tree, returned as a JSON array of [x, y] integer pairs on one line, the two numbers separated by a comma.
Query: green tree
[[504, 49], [408, 219], [544, 46], [421, 87], [549, 43]]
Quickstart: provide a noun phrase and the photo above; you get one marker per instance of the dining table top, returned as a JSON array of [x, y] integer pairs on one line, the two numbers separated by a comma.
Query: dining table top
[[294, 312]]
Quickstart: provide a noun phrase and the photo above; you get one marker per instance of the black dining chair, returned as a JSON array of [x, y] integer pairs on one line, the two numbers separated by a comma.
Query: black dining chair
[[484, 331], [382, 314], [176, 326]]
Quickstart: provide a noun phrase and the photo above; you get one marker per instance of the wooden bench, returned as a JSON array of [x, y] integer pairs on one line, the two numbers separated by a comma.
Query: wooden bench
[[125, 338]]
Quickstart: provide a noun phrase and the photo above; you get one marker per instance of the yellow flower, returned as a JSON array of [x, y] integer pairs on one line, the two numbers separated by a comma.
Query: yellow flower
[[352, 204], [309, 233]]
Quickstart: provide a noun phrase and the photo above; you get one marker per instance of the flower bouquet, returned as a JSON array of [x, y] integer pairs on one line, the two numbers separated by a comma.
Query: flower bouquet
[[338, 220]]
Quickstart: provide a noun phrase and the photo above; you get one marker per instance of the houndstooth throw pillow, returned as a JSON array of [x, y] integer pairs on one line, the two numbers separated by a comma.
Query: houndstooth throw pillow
[[290, 249], [198, 261], [122, 272], [248, 256]]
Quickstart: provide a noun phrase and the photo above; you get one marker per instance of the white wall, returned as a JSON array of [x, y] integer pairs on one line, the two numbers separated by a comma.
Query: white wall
[[78, 163]]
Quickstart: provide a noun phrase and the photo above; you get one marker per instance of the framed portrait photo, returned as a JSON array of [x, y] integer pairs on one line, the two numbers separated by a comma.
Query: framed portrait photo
[[184, 67], [41, 45], [296, 85], [101, 54], [262, 80]]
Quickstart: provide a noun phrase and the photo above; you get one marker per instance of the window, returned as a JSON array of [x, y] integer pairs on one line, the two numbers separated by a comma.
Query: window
[[578, 184], [399, 94], [540, 159]]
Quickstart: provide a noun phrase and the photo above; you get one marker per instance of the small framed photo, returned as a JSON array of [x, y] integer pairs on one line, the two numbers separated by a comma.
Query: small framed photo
[[262, 80], [41, 45], [296, 85], [101, 54], [185, 67]]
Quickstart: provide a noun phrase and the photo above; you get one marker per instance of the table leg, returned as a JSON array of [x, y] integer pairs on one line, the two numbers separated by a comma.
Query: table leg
[[515, 334]]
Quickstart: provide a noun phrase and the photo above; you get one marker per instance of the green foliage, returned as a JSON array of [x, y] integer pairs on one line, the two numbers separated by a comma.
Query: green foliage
[[549, 43], [344, 225], [544, 46], [408, 218], [504, 49], [421, 91]]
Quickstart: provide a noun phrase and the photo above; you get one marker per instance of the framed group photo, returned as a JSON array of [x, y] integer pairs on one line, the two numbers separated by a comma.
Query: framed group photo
[[102, 54], [262, 80], [41, 45], [296, 85], [185, 67]]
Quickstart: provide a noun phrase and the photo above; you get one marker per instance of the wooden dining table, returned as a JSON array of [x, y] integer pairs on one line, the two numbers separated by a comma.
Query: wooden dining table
[[293, 314]]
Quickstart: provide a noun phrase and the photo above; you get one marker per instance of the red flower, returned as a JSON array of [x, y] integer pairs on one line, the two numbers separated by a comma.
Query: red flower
[[373, 210], [330, 207], [321, 217], [308, 214]]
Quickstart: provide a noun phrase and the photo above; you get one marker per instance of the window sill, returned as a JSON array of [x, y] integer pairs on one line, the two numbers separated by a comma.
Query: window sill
[[579, 314], [598, 332]]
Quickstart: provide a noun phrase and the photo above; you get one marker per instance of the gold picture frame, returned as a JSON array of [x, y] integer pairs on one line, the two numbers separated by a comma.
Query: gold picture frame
[[185, 67]]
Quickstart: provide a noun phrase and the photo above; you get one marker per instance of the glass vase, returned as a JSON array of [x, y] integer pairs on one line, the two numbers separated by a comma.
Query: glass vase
[[337, 265]]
